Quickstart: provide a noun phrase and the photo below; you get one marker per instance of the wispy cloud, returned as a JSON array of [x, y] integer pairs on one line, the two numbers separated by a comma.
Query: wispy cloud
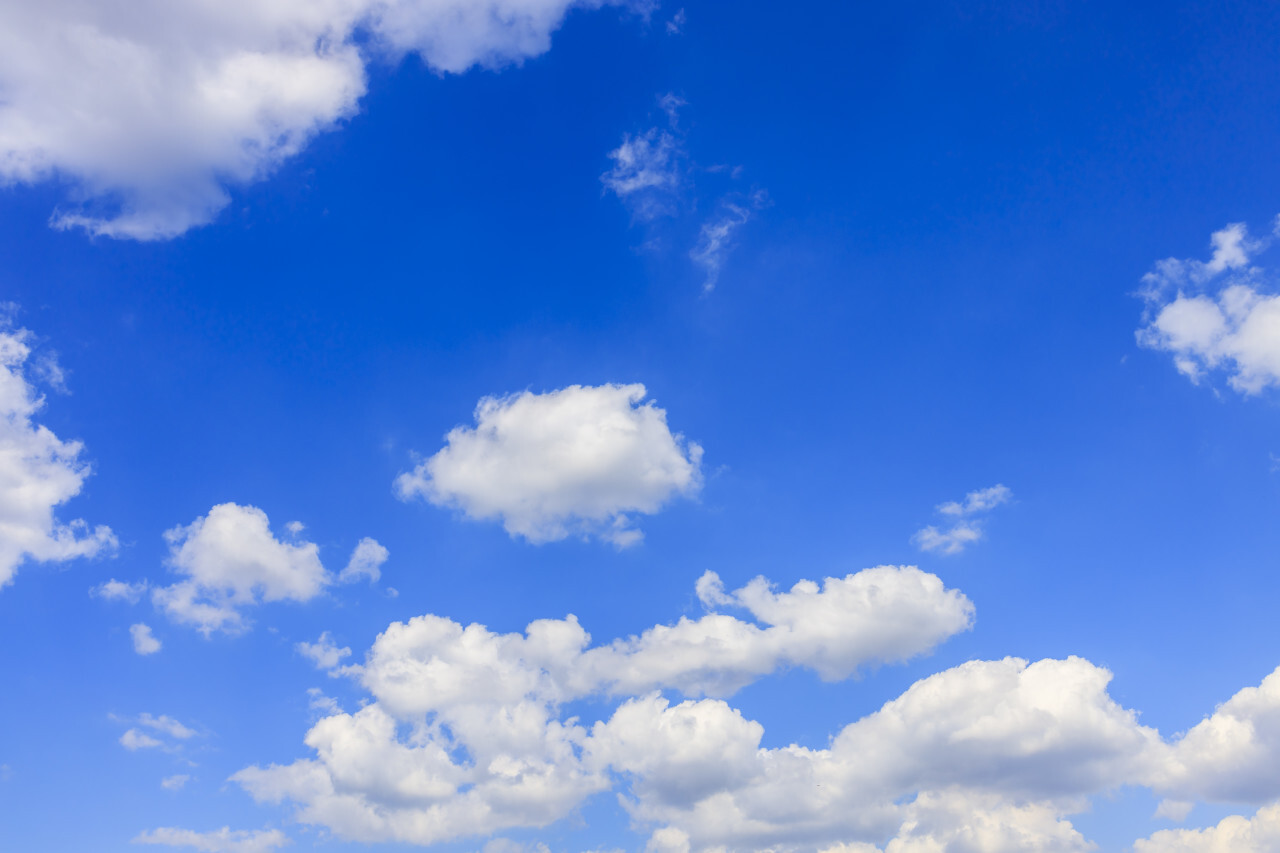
[[967, 526]]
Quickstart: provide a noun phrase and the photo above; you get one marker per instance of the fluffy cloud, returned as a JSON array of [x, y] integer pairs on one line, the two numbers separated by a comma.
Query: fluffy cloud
[[114, 590], [150, 109], [968, 522], [1235, 834], [484, 747], [323, 653], [1217, 315], [230, 560], [218, 841], [580, 460], [144, 643], [38, 472], [366, 562], [166, 727]]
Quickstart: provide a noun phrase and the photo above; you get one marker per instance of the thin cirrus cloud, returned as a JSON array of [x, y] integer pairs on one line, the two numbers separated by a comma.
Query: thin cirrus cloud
[[967, 521], [1217, 317], [652, 174], [581, 460], [151, 109], [464, 735], [38, 471], [229, 561]]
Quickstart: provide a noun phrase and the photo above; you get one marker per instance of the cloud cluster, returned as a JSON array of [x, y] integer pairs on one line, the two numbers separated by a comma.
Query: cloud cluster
[[1235, 834], [466, 735], [151, 732], [577, 461], [1217, 315], [38, 472], [230, 560], [151, 108], [967, 521]]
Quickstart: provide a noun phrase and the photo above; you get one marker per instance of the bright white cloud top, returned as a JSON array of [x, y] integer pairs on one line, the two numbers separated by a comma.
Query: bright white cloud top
[[230, 560], [152, 109], [465, 734], [578, 461], [38, 473], [499, 698], [1220, 315]]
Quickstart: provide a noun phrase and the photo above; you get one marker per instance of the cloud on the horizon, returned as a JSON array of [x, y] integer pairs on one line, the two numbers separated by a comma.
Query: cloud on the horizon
[[1217, 316], [38, 472], [223, 840], [968, 517], [149, 111], [580, 460]]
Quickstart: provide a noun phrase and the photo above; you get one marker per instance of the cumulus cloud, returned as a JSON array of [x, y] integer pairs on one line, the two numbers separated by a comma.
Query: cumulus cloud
[[144, 643], [223, 840], [134, 739], [164, 731], [114, 590], [176, 782], [1220, 315], [578, 461], [465, 734], [366, 562], [151, 110], [323, 652], [230, 560], [967, 526], [1234, 834], [38, 472]]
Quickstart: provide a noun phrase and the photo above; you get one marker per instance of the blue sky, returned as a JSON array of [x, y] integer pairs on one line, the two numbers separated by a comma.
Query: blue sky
[[955, 324]]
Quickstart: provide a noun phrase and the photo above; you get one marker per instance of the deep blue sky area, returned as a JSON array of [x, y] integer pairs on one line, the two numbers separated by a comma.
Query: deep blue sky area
[[935, 291]]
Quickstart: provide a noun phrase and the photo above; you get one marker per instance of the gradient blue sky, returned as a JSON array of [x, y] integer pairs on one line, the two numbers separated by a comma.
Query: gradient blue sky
[[943, 216]]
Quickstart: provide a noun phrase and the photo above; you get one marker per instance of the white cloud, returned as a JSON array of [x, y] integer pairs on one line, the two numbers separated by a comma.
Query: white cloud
[[716, 238], [366, 562], [323, 653], [1234, 834], [151, 109], [646, 172], [966, 529], [176, 782], [167, 725], [581, 460], [38, 473], [231, 560], [465, 735], [143, 641], [1216, 315], [114, 590], [218, 841], [134, 739], [1174, 810]]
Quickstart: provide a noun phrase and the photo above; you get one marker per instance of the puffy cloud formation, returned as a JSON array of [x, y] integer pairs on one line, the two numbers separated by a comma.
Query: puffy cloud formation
[[114, 590], [38, 471], [465, 734], [581, 460], [1217, 314], [230, 560], [323, 653], [144, 642], [152, 108], [218, 841], [164, 726], [1235, 834], [968, 522]]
